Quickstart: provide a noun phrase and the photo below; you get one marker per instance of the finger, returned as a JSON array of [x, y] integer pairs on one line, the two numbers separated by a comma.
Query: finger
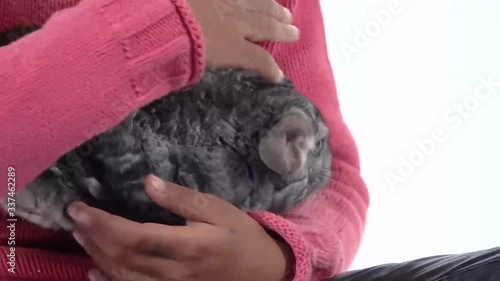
[[104, 228], [252, 57], [122, 274], [129, 264], [107, 231], [261, 61], [190, 204], [199, 225], [269, 8], [99, 258], [97, 275], [259, 28]]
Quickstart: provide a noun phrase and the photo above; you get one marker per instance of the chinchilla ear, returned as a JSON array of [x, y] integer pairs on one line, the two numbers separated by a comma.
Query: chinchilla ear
[[286, 146]]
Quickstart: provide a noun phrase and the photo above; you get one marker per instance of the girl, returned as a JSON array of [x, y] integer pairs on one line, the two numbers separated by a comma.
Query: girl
[[131, 52]]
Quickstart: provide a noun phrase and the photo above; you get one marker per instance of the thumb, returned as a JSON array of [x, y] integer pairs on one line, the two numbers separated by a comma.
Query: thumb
[[190, 204], [259, 60]]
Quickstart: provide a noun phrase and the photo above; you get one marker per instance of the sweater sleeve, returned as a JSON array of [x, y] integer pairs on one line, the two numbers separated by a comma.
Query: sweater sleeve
[[325, 231], [85, 71]]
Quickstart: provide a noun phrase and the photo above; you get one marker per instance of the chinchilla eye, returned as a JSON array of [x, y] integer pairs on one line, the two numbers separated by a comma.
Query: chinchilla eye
[[318, 146]]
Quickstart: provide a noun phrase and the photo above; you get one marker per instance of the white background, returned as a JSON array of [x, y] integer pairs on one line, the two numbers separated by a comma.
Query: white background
[[394, 91]]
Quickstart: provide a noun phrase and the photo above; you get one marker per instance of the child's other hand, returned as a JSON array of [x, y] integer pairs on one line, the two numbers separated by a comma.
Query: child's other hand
[[220, 242], [228, 26]]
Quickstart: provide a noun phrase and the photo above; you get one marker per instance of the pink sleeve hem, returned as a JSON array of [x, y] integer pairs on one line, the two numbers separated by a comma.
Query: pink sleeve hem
[[196, 34], [303, 268]]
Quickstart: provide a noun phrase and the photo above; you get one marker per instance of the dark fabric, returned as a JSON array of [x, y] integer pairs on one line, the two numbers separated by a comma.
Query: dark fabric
[[14, 34], [475, 266]]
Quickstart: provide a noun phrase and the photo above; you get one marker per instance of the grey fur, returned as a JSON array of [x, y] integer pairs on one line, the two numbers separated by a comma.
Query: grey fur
[[212, 137]]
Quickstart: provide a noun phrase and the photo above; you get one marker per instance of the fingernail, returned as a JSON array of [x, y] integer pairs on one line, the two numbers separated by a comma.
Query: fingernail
[[79, 238], [281, 76], [158, 184], [77, 214], [293, 30], [288, 15], [94, 275]]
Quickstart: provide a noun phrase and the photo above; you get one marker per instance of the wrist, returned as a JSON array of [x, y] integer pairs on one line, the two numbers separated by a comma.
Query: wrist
[[287, 231]]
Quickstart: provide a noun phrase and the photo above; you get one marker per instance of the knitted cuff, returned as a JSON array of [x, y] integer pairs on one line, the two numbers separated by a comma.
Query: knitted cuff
[[284, 228]]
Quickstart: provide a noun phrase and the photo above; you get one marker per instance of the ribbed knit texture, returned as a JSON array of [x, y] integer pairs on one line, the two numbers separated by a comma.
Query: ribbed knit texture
[[58, 85]]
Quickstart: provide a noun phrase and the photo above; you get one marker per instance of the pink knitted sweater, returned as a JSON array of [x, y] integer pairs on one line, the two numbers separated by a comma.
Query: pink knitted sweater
[[130, 53]]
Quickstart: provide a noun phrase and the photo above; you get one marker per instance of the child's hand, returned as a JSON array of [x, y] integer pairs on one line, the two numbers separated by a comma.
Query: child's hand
[[220, 242], [227, 25]]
